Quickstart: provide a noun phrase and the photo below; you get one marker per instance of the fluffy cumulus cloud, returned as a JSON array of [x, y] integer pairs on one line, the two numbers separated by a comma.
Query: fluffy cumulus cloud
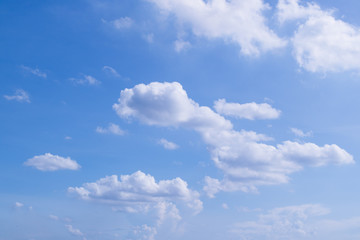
[[111, 129], [322, 43], [19, 96], [139, 192], [243, 156], [249, 111], [281, 223], [239, 22], [49, 162]]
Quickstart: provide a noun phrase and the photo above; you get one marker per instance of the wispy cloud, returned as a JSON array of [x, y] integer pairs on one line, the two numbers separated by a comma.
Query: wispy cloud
[[34, 71], [111, 129], [86, 80], [167, 144], [301, 133], [20, 96], [111, 71]]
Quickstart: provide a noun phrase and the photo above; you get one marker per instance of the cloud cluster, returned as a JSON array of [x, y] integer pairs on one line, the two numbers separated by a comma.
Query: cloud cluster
[[321, 43], [19, 96], [281, 223], [243, 156], [49, 162], [239, 22], [139, 192], [250, 111]]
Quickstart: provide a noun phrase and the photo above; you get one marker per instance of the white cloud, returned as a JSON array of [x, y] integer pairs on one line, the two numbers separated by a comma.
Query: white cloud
[[86, 80], [111, 71], [249, 111], [242, 155], [49, 162], [300, 133], [18, 204], [239, 22], [149, 37], [322, 43], [225, 206], [145, 232], [181, 45], [122, 23], [20, 96], [74, 231], [168, 145], [281, 223], [34, 71], [139, 192], [112, 129], [54, 217], [68, 138]]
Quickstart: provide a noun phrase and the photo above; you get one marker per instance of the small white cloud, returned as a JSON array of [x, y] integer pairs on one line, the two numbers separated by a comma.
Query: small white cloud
[[300, 133], [86, 80], [112, 129], [249, 111], [20, 96], [111, 71], [225, 206], [53, 217], [167, 144], [181, 45], [149, 37], [68, 138], [49, 162], [121, 23], [74, 231], [18, 204], [34, 71]]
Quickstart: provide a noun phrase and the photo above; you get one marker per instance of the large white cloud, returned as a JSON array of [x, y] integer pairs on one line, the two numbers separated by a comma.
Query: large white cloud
[[322, 43], [249, 111], [139, 192], [240, 22], [243, 156], [49, 162]]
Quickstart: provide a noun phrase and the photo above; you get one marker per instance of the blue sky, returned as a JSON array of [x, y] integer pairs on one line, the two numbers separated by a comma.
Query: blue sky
[[179, 119]]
